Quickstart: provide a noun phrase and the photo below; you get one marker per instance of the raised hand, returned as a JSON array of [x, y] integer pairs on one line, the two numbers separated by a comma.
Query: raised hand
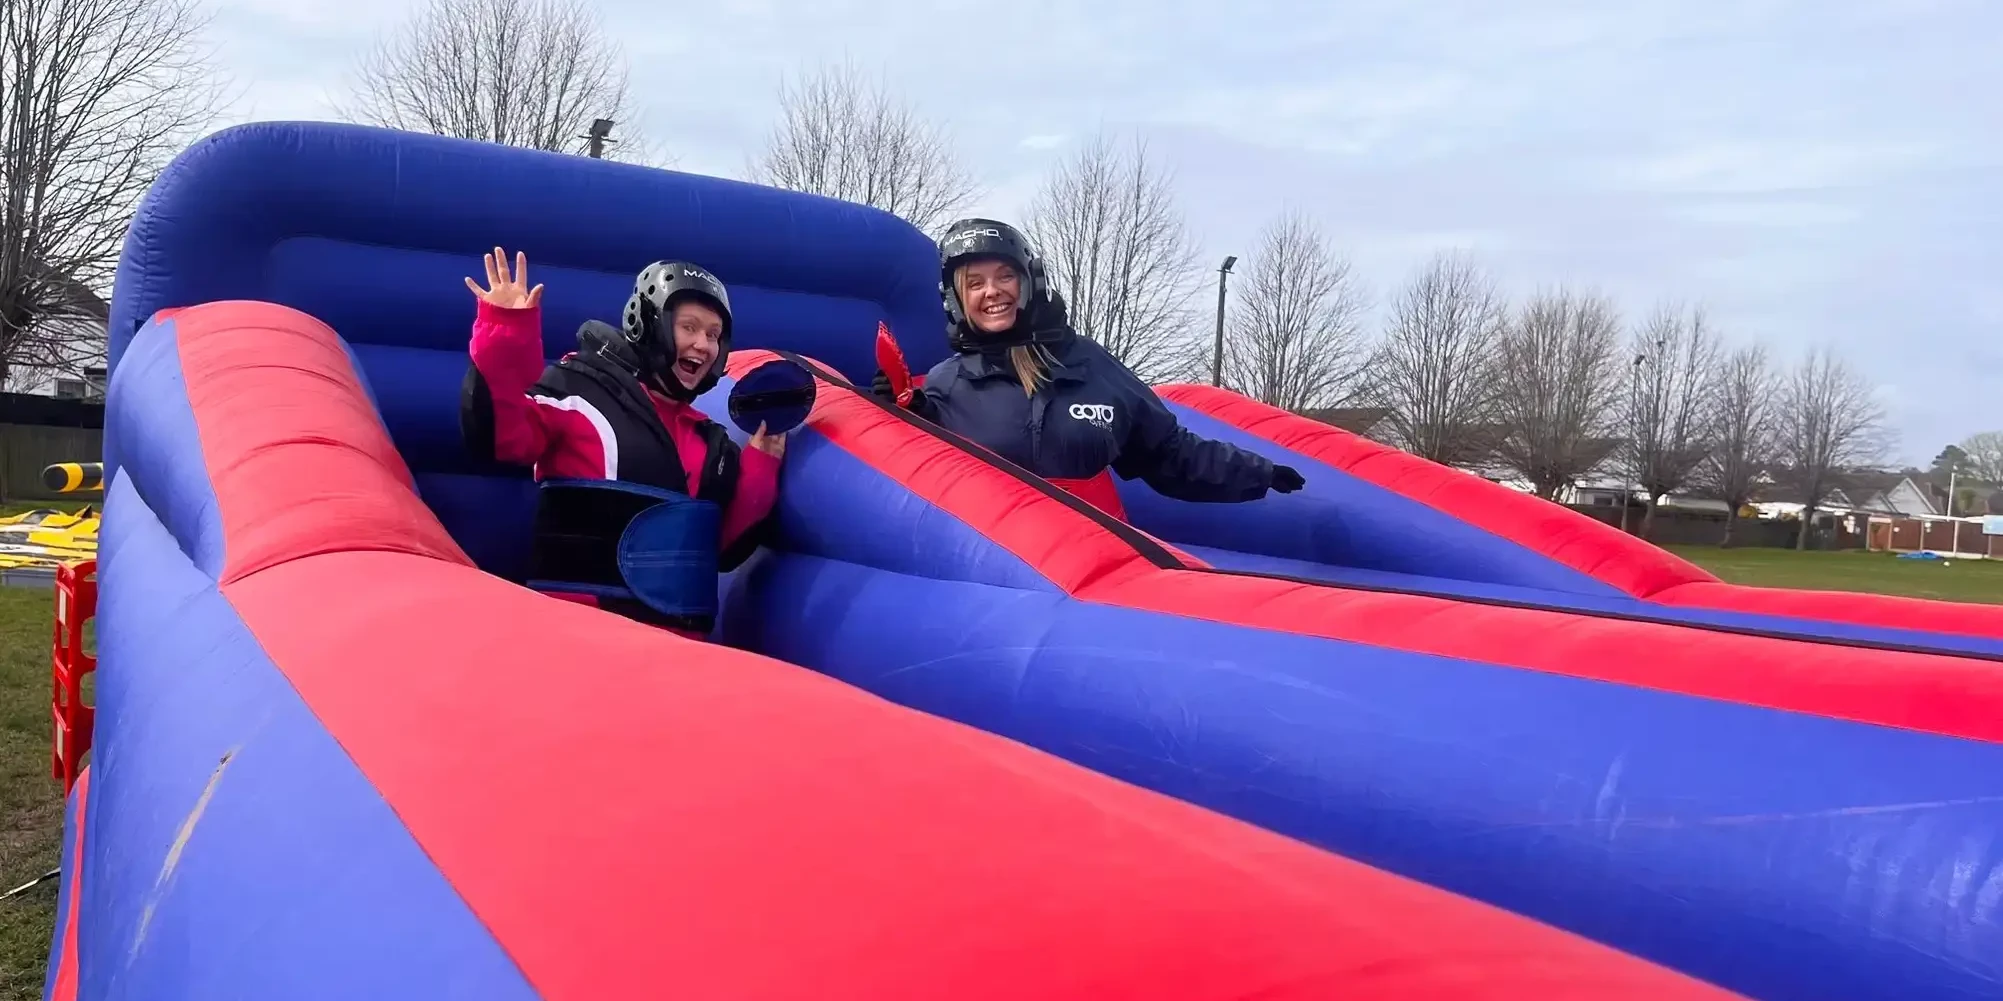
[[773, 445], [504, 290]]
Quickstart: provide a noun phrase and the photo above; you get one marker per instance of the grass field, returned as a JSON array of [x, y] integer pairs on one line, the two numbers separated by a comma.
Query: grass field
[[1874, 573], [31, 804]]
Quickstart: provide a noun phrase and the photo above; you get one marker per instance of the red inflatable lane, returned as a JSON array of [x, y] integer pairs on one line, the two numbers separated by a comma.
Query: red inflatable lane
[[949, 477], [1918, 691], [64, 988], [632, 814], [1841, 606], [361, 496], [1581, 543]]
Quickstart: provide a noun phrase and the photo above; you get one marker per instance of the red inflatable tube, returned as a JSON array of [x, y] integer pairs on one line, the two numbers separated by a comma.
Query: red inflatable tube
[[1581, 543], [633, 814]]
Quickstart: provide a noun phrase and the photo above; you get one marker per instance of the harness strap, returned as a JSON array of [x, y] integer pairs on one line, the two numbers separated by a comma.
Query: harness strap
[[627, 544]]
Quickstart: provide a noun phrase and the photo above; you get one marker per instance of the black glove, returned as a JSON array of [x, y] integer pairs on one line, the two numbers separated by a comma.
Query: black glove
[[1286, 479], [1048, 314], [879, 387]]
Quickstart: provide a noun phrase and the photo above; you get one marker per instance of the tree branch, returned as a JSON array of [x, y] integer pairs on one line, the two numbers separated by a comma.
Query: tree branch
[[1296, 342], [846, 137], [1555, 383], [96, 96], [1434, 368], [531, 73], [1113, 239]]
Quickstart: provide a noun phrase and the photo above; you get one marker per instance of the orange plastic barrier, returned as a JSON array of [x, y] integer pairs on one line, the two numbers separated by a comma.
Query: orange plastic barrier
[[76, 604]]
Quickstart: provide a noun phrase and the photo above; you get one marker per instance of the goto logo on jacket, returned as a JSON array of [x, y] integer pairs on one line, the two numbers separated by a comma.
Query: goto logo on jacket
[[1099, 415]]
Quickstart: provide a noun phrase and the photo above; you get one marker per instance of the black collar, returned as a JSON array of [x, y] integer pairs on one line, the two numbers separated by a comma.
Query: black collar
[[1067, 363]]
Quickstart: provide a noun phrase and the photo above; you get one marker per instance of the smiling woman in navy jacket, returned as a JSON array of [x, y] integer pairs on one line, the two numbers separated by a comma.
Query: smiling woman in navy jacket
[[1024, 385]]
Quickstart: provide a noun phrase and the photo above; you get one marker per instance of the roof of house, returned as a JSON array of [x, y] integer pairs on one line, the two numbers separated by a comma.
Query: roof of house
[[1599, 450], [1594, 451], [76, 299], [1854, 488]]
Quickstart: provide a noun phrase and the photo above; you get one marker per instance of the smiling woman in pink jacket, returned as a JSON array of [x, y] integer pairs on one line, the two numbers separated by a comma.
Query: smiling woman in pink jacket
[[642, 494]]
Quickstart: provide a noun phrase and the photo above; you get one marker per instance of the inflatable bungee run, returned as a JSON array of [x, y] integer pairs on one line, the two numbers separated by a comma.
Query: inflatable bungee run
[[1403, 734]]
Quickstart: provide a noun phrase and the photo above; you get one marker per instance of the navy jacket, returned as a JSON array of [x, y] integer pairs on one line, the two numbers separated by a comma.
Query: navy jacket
[[1092, 414]]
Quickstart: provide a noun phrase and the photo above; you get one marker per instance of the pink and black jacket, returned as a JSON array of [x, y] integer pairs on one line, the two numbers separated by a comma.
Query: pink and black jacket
[[587, 417]]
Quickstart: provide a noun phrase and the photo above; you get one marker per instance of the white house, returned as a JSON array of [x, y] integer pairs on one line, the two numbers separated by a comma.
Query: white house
[[1903, 497], [71, 363]]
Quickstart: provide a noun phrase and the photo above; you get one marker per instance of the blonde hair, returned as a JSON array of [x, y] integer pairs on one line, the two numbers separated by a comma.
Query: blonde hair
[[1032, 366], [1030, 361]]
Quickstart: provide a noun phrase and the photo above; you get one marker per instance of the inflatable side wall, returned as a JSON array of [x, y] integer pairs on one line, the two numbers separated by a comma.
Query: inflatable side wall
[[1468, 518]]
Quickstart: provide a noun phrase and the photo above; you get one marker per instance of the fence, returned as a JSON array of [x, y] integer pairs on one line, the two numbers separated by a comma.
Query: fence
[[37, 431], [1675, 527], [1912, 535]]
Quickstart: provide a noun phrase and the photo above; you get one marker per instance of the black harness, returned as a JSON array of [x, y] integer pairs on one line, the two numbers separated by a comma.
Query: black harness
[[578, 531]]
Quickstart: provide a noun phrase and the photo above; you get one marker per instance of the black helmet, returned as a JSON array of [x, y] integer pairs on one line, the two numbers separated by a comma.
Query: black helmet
[[975, 239], [650, 310]]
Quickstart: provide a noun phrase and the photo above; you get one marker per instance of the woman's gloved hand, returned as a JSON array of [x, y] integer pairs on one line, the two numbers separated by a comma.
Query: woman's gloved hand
[[1287, 479], [881, 388]]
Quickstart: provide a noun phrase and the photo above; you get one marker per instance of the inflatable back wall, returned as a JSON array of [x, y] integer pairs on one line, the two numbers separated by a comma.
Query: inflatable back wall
[[373, 232]]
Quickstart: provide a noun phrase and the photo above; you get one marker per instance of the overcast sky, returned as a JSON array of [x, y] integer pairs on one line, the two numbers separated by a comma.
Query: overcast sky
[[1811, 171]]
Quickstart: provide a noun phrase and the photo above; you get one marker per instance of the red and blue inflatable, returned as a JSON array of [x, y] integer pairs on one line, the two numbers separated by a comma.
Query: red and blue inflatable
[[339, 755]]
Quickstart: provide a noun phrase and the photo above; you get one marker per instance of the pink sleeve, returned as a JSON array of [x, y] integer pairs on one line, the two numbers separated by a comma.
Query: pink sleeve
[[555, 436], [757, 490]]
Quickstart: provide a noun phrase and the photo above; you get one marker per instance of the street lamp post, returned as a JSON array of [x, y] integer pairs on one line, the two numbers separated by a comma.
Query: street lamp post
[[1955, 546], [1634, 431], [598, 135], [1634, 436], [1217, 350]]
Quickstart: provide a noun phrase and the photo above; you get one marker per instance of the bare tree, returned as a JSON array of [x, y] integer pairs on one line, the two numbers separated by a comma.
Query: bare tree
[[532, 73], [1830, 419], [1555, 388], [95, 97], [1433, 368], [1985, 456], [1675, 359], [1108, 228], [1741, 432], [1295, 342], [847, 137]]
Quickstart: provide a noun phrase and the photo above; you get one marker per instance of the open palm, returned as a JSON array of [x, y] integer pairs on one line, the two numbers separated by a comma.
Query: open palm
[[504, 290]]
